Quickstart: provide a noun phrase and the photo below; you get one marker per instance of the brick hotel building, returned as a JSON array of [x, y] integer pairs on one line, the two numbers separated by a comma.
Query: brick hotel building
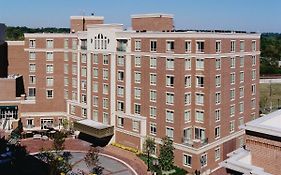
[[197, 87]]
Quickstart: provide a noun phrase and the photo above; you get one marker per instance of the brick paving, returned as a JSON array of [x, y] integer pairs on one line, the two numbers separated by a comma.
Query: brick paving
[[35, 145]]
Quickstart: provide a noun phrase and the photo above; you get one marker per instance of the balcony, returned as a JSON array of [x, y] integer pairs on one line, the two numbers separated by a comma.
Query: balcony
[[194, 143], [187, 141]]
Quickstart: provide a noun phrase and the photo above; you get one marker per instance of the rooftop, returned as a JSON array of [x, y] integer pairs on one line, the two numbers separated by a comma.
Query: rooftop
[[152, 15], [12, 76], [93, 123], [269, 124]]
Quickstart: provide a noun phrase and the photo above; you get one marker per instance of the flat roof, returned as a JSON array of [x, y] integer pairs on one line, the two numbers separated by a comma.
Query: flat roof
[[152, 15], [269, 124], [88, 17], [93, 123]]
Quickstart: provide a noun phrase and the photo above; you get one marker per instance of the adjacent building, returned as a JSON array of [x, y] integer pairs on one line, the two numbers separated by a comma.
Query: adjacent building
[[261, 154], [196, 87]]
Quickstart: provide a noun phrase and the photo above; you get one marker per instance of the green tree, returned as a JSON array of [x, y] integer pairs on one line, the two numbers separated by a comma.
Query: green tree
[[92, 161], [149, 145], [166, 157]]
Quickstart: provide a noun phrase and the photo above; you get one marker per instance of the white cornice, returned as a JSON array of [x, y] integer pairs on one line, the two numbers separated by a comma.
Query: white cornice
[[50, 35], [15, 43], [152, 15], [88, 17], [41, 114]]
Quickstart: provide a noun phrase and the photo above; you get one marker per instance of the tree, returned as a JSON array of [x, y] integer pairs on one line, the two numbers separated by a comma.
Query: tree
[[59, 139], [92, 161], [149, 145], [166, 157]]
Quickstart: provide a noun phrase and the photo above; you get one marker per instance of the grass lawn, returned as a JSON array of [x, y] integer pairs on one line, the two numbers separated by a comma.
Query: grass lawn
[[266, 99]]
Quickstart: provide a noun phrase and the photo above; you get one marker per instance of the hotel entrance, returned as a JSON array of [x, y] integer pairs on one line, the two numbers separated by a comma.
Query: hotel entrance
[[7, 115]]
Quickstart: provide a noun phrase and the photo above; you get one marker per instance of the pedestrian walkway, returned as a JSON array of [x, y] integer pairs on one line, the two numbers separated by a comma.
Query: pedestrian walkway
[[33, 146]]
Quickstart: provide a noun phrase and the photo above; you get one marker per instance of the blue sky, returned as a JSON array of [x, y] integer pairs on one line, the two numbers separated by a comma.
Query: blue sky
[[250, 15]]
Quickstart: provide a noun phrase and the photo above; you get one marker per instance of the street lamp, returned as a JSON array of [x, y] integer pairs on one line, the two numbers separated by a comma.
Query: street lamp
[[148, 150]]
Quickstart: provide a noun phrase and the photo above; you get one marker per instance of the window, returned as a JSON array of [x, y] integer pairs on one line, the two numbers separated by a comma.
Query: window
[[199, 134], [217, 154], [32, 79], [232, 78], [136, 125], [32, 55], [72, 109], [253, 89], [137, 61], [199, 99], [218, 98], [218, 63], [241, 107], [120, 60], [95, 101], [84, 112], [199, 116], [232, 110], [217, 115], [169, 116], [241, 92], [74, 57], [232, 46], [153, 79], [169, 98], [120, 91], [232, 62], [170, 46], [120, 121], [253, 74], [188, 46], [74, 82], [242, 45], [49, 56], [49, 44], [187, 99], [105, 89], [83, 58], [152, 111], [253, 103], [65, 43], [105, 103], [187, 81], [199, 46], [254, 60], [32, 67], [65, 94], [199, 81], [49, 81], [95, 72], [66, 68], [187, 64], [218, 80], [83, 71], [137, 108], [217, 132], [187, 116], [153, 62], [170, 81], [170, 63], [232, 94], [95, 115], [84, 98], [31, 92], [137, 45], [120, 75], [242, 61], [254, 45], [232, 126], [49, 93], [137, 93], [105, 74], [120, 106], [153, 46], [105, 59], [153, 129], [95, 59], [105, 118], [200, 63], [241, 77], [74, 69], [170, 132], [153, 95], [95, 86], [218, 46], [32, 43], [49, 68], [138, 77], [203, 160], [74, 95], [83, 84], [65, 56], [30, 123], [187, 159]]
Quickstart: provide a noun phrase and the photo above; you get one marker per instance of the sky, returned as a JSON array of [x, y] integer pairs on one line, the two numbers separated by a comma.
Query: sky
[[249, 15]]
